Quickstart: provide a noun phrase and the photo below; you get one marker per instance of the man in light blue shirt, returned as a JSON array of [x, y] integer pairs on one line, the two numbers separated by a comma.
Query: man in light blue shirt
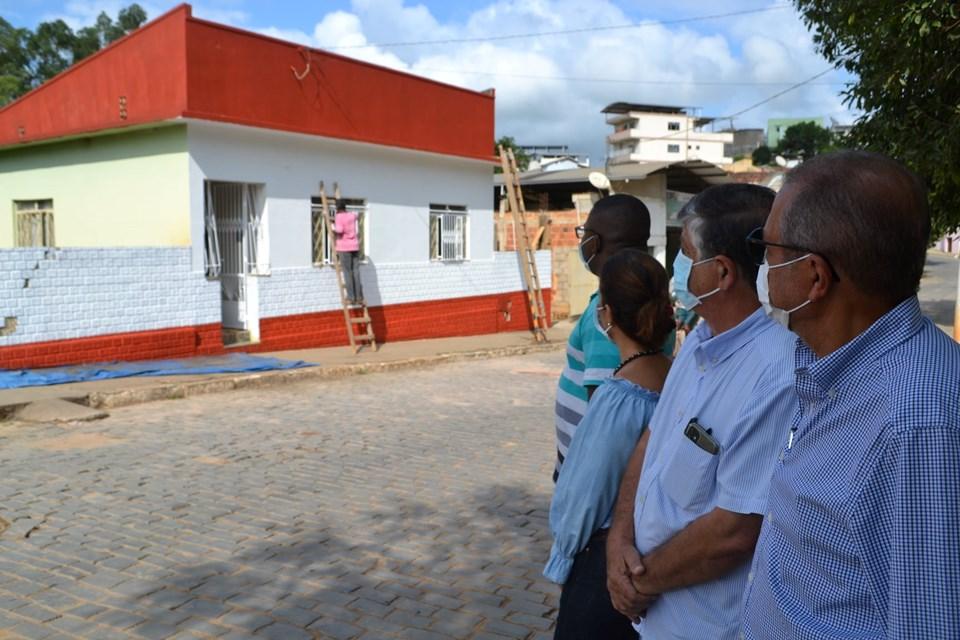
[[862, 536], [683, 535]]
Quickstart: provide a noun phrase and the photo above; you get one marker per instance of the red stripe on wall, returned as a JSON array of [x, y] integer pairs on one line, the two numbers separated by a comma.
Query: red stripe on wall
[[413, 321]]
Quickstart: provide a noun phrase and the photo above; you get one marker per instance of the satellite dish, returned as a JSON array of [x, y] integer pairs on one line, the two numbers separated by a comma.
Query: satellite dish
[[781, 161], [599, 180]]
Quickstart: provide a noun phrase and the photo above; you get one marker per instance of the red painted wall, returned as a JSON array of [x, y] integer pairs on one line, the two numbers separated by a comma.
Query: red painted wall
[[246, 78], [180, 66], [148, 67], [439, 319]]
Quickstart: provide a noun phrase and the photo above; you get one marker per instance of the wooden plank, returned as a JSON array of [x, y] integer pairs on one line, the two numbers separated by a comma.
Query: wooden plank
[[527, 257]]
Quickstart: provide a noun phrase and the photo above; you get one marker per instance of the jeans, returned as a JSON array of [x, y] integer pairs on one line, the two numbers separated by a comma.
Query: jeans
[[350, 263], [586, 612]]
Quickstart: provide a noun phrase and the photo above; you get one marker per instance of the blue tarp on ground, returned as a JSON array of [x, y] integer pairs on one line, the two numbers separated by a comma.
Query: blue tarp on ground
[[233, 363]]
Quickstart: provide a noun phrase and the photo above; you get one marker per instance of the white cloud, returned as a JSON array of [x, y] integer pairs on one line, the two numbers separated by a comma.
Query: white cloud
[[667, 64]]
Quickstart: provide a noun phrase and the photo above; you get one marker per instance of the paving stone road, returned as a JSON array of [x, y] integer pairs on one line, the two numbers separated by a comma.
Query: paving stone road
[[397, 505]]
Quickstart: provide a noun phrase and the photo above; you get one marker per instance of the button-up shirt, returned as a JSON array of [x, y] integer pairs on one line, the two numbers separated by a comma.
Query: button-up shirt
[[864, 535], [739, 385]]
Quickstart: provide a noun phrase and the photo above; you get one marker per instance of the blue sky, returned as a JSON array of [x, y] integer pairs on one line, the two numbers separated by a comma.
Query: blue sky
[[550, 89]]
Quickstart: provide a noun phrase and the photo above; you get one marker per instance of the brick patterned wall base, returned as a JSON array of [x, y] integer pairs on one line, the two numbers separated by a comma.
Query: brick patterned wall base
[[413, 321], [180, 342]]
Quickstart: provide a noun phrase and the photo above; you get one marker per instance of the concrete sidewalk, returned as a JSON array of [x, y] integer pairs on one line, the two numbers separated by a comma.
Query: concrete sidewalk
[[86, 400]]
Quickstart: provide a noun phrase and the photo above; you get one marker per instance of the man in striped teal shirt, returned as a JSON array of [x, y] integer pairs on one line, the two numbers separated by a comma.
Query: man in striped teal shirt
[[616, 222]]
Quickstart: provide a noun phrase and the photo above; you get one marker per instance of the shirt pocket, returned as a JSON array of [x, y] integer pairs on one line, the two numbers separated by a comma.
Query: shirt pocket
[[690, 478]]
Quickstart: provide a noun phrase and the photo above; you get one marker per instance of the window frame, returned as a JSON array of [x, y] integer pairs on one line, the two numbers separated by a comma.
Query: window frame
[[41, 208], [673, 125], [438, 213], [673, 148], [359, 205]]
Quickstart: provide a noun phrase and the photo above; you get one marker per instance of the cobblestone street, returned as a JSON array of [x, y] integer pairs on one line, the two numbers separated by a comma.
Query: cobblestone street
[[408, 505]]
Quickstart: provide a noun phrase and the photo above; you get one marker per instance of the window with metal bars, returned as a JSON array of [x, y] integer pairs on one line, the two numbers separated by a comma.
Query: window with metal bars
[[320, 226], [34, 223], [448, 232]]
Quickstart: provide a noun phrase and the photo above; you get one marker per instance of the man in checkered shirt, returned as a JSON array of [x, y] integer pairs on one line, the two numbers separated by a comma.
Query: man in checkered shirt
[[862, 535]]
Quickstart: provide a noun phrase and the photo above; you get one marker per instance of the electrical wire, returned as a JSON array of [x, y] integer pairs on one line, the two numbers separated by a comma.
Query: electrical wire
[[705, 83], [537, 34]]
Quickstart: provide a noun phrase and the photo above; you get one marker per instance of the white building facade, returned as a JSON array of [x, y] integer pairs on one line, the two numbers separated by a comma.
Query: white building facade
[[653, 133]]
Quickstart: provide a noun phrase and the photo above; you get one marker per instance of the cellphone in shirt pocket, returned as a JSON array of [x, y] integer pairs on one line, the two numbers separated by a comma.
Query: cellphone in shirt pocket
[[691, 474], [701, 437]]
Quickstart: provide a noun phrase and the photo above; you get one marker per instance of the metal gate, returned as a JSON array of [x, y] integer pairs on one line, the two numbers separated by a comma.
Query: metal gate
[[234, 227]]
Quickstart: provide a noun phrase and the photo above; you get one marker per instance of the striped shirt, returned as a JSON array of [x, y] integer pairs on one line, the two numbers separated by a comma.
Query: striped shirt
[[591, 359], [738, 384], [862, 538]]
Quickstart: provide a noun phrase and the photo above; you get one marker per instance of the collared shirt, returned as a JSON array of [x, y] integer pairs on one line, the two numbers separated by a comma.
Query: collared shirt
[[587, 487], [739, 385], [591, 359], [863, 535]]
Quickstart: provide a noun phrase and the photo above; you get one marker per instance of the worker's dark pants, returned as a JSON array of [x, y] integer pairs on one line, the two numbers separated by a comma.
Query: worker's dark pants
[[350, 262]]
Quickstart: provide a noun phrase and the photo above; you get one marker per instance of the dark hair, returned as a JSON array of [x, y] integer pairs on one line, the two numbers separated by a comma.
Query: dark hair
[[626, 218], [864, 212], [721, 217], [341, 204], [636, 288]]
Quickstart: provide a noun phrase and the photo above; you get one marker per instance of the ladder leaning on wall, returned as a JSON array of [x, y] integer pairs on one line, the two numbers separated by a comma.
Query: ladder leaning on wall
[[354, 315], [526, 253]]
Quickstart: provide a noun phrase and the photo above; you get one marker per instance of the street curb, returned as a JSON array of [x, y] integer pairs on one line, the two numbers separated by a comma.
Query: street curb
[[178, 391]]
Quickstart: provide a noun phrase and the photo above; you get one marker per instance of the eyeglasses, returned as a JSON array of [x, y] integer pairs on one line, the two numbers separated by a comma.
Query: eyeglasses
[[757, 249]]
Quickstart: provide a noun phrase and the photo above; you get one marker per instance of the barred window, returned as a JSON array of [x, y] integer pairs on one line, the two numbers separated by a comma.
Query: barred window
[[320, 224], [448, 232], [34, 223]]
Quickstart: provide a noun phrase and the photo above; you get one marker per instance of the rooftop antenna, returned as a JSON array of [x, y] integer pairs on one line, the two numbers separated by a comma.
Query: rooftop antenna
[[600, 181]]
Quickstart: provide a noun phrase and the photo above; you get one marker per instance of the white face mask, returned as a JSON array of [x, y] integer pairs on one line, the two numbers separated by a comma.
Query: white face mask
[[763, 292], [604, 330]]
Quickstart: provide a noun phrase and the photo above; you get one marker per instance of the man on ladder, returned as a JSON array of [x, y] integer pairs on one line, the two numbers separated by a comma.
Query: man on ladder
[[343, 235], [347, 245]]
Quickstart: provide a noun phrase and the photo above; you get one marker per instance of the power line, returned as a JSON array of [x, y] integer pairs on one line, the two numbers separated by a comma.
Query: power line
[[750, 108], [617, 80], [516, 36], [777, 95]]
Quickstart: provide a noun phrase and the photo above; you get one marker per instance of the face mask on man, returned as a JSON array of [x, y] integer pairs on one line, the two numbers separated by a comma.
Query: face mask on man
[[605, 330], [763, 291], [583, 251], [682, 265]]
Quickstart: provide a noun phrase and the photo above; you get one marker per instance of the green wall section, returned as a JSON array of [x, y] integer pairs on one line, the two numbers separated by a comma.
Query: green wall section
[[776, 127], [121, 190]]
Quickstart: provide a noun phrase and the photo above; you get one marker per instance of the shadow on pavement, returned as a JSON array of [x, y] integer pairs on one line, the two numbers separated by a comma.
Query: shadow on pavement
[[472, 568]]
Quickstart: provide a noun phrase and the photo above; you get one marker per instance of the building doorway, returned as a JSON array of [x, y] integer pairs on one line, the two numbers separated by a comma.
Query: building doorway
[[234, 215]]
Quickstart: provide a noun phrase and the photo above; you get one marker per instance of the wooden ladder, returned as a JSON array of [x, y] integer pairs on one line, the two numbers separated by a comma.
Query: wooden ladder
[[526, 253], [354, 315]]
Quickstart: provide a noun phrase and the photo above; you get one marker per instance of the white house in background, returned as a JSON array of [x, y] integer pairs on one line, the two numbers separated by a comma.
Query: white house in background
[[139, 219], [553, 158], [657, 133]]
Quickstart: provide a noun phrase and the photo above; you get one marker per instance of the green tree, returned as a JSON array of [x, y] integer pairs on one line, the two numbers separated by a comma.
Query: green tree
[[904, 56], [762, 155], [14, 76], [30, 58], [507, 142], [805, 139]]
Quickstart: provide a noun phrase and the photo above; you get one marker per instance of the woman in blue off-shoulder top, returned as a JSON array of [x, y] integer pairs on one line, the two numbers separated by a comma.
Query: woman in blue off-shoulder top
[[636, 314]]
